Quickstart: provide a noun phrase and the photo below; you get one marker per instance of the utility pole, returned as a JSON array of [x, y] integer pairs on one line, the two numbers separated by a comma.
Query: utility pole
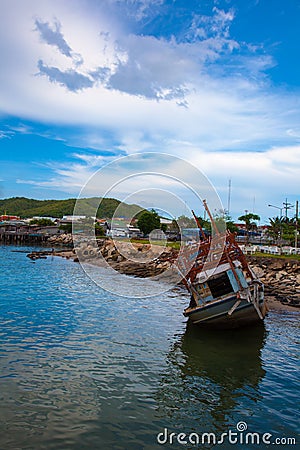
[[229, 196], [296, 227], [247, 231], [287, 206]]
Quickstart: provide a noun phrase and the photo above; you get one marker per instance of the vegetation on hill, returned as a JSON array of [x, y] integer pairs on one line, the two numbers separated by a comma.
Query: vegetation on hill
[[28, 207]]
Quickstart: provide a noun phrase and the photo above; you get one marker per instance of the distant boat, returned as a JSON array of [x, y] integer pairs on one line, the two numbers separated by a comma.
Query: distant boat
[[225, 292]]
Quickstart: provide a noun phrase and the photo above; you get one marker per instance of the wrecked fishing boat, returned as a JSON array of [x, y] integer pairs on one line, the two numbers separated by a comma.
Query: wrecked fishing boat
[[225, 292]]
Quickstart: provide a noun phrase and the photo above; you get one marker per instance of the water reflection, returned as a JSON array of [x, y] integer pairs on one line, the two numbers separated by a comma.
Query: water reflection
[[212, 377]]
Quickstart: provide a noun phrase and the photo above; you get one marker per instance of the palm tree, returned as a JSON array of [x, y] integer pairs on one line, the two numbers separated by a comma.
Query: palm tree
[[249, 222], [288, 230], [275, 228]]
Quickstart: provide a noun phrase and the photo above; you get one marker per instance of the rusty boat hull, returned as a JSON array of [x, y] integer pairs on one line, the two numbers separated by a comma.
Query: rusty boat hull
[[217, 314]]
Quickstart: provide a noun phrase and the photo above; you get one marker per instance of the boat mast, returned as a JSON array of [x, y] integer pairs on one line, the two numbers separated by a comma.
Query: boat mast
[[199, 225], [213, 223], [225, 248]]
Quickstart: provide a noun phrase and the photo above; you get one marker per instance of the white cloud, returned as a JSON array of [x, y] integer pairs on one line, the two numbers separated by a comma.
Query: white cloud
[[73, 80], [139, 9], [253, 175], [6, 134], [53, 36], [86, 66], [216, 25], [140, 65]]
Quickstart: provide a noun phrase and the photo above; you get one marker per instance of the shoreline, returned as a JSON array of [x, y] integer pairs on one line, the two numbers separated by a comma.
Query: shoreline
[[280, 277], [276, 305]]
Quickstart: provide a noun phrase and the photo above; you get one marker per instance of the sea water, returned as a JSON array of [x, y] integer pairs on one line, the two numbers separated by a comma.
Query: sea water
[[81, 368]]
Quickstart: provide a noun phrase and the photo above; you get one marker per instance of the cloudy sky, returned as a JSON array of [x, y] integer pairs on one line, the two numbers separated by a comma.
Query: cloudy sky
[[214, 82]]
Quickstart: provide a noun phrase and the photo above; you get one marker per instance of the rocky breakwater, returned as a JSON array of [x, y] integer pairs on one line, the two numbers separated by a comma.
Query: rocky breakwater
[[141, 260], [64, 239], [281, 278]]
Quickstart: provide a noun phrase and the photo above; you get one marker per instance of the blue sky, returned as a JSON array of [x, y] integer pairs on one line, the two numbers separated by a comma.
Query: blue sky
[[214, 82]]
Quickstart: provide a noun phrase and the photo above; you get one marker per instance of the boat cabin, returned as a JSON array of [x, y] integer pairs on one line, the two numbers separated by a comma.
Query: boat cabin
[[215, 284]]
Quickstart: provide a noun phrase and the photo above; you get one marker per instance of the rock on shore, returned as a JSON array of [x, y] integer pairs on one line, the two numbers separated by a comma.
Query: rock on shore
[[61, 239], [140, 260], [281, 278]]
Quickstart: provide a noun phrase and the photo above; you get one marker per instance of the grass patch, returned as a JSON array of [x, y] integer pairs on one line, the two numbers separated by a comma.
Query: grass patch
[[175, 245], [267, 255]]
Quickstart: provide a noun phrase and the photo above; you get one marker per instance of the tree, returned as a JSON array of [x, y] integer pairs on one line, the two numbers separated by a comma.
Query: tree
[[42, 222], [174, 226], [288, 230], [225, 220], [205, 224], [100, 230], [164, 227], [230, 225], [249, 222], [67, 227], [186, 222], [190, 222], [148, 221], [275, 228], [282, 229]]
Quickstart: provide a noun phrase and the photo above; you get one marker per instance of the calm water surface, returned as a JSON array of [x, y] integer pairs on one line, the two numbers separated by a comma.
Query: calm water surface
[[82, 369]]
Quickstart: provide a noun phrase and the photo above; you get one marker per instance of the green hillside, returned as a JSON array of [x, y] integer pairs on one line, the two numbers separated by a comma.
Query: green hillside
[[28, 207]]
